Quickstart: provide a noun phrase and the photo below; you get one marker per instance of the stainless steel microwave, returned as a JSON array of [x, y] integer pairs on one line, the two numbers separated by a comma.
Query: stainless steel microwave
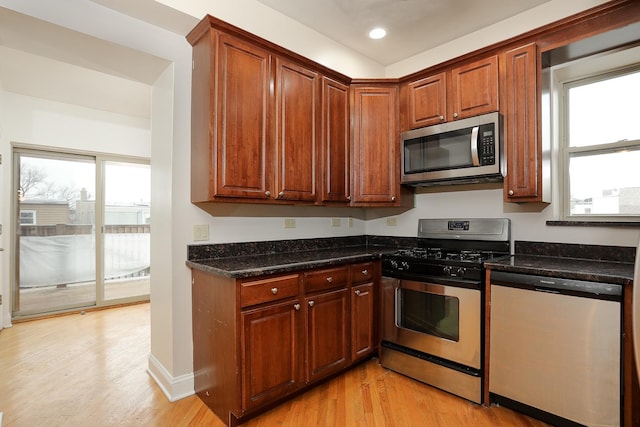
[[464, 151]]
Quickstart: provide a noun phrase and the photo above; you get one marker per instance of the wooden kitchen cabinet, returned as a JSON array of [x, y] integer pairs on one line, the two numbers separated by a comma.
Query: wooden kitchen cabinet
[[335, 142], [427, 101], [258, 340], [257, 113], [375, 145], [467, 90], [298, 106], [523, 151], [474, 88], [231, 141], [272, 362], [327, 333], [364, 340]]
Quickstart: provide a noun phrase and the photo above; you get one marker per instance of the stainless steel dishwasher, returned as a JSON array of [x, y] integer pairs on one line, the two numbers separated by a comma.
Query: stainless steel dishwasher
[[555, 348]]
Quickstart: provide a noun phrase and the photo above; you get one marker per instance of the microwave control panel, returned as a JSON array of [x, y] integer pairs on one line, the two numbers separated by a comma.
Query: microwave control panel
[[486, 149]]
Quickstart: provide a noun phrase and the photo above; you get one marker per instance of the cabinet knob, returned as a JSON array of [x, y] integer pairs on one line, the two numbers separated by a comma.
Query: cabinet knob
[[365, 272], [296, 306], [357, 292], [510, 192], [441, 118], [393, 198], [329, 279], [274, 291], [311, 303], [267, 193], [455, 115], [281, 194], [349, 198]]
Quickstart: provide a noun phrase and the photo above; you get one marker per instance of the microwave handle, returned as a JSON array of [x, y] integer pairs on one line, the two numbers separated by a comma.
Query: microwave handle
[[474, 146]]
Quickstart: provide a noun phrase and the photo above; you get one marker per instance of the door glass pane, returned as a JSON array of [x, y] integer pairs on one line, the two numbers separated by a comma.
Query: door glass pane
[[55, 234], [127, 222]]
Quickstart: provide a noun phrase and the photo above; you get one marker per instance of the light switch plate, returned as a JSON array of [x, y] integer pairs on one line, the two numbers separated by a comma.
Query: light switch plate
[[392, 222], [289, 223]]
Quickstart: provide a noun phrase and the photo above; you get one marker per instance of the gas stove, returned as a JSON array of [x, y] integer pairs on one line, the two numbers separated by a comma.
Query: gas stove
[[451, 249]]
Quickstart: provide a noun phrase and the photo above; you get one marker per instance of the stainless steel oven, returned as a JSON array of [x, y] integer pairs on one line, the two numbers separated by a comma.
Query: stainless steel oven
[[433, 300]]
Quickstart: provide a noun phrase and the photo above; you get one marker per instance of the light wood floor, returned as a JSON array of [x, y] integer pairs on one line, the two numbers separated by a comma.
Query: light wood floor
[[90, 370]]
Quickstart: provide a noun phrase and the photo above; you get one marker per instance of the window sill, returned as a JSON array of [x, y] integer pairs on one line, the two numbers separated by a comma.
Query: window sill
[[629, 224]]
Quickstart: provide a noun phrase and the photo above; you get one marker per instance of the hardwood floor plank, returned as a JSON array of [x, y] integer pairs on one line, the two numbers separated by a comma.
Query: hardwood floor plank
[[90, 370]]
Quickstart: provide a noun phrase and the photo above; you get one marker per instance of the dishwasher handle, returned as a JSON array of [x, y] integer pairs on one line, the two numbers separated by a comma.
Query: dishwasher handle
[[557, 285]]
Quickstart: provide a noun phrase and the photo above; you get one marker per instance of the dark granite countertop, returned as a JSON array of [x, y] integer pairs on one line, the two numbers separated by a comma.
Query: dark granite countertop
[[258, 265], [582, 262], [250, 259]]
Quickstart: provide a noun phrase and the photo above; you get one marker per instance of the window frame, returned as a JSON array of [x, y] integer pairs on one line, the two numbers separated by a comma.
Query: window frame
[[575, 78]]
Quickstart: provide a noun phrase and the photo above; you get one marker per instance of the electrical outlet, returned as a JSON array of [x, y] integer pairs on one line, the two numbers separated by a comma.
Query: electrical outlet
[[392, 222], [350, 222], [335, 222], [0, 299], [201, 232], [289, 223]]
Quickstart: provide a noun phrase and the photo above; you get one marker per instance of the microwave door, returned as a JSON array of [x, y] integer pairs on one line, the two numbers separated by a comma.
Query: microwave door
[[474, 146]]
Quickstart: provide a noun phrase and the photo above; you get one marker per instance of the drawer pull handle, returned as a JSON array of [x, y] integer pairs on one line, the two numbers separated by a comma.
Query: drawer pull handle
[[274, 291], [357, 292], [311, 303], [329, 279], [365, 272], [296, 306]]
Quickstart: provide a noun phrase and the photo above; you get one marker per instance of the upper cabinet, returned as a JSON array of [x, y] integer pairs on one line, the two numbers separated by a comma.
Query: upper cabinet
[[335, 142], [267, 125], [375, 145], [297, 129], [231, 140], [523, 153], [467, 90]]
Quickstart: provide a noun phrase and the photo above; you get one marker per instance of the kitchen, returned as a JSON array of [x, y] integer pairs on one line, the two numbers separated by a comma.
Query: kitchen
[[175, 217]]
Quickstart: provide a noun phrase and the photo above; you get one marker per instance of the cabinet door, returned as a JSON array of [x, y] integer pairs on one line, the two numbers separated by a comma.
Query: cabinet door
[[335, 141], [327, 333], [474, 88], [427, 101], [297, 131], [272, 356], [244, 162], [375, 160], [363, 340], [522, 150]]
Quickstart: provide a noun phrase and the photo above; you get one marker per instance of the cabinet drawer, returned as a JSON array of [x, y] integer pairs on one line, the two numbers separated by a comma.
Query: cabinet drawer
[[266, 290], [361, 273], [325, 279]]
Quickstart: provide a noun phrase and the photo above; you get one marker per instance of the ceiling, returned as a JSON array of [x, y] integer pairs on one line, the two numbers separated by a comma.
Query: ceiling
[[47, 61], [413, 26]]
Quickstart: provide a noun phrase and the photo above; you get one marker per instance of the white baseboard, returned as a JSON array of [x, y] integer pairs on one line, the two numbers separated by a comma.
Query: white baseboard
[[175, 388]]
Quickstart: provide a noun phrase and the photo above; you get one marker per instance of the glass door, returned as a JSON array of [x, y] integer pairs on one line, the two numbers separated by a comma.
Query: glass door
[[55, 232], [127, 227]]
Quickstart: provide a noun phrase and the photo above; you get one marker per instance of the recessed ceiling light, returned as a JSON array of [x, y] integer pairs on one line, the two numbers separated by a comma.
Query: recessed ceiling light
[[377, 33]]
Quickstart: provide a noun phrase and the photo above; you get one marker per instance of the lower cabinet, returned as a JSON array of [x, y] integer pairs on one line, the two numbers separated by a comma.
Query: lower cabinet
[[327, 333], [271, 362], [258, 340]]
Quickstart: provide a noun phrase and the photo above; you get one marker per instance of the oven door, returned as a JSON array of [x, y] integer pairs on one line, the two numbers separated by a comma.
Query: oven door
[[440, 320]]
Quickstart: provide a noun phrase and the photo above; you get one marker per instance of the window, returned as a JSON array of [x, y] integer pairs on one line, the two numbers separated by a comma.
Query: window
[[27, 217], [600, 144]]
